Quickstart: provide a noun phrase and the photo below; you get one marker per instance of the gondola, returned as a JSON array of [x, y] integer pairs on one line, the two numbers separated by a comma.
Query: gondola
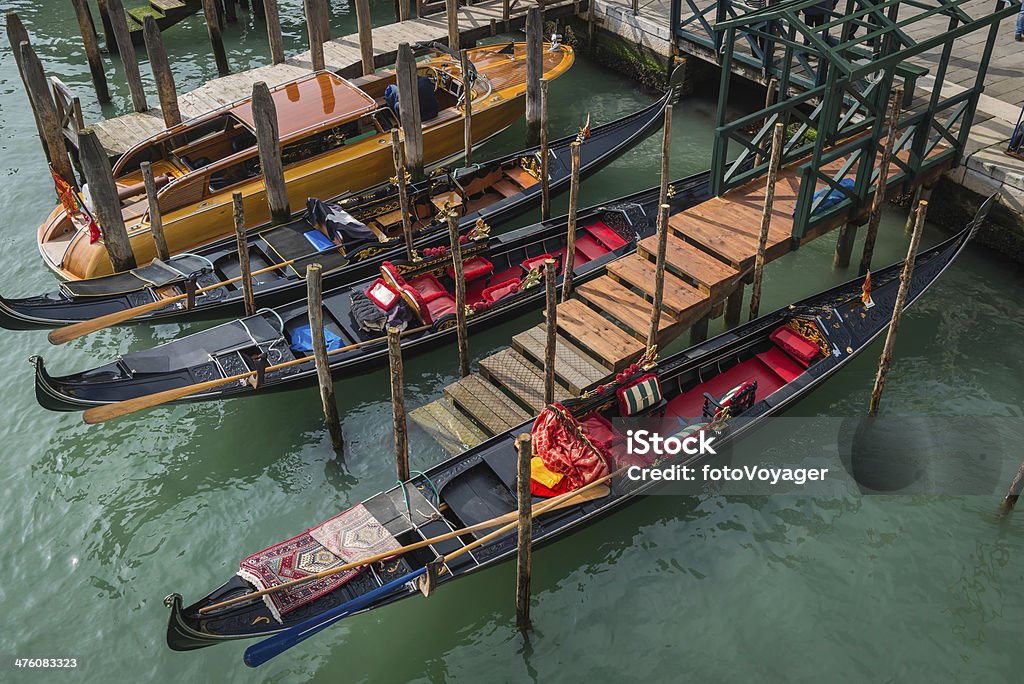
[[492, 192], [503, 280], [724, 387]]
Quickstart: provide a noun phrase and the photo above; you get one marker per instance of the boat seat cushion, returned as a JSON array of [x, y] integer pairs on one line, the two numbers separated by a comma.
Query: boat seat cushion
[[428, 286], [781, 364], [639, 395], [441, 306], [501, 290], [473, 268], [605, 235], [795, 344], [589, 247], [382, 294], [538, 262], [409, 294]]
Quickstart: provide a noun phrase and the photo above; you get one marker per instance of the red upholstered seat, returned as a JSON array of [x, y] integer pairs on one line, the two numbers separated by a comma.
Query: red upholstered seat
[[473, 269], [501, 290], [589, 247], [475, 291], [537, 262], [441, 306], [795, 344], [605, 235], [781, 364], [428, 286], [410, 294]]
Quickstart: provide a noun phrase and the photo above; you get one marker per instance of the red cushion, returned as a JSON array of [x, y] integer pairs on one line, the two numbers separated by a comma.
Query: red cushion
[[621, 392], [589, 247], [608, 237], [475, 291], [441, 306], [781, 364], [795, 344], [382, 294], [496, 292], [537, 262], [428, 286], [391, 274], [472, 269]]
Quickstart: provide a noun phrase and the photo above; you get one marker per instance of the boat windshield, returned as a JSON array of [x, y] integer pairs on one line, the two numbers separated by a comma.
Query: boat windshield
[[211, 141]]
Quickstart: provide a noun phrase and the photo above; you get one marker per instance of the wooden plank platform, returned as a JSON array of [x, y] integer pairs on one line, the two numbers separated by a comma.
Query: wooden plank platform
[[442, 421], [576, 370], [624, 305], [614, 347], [693, 264], [485, 403], [521, 378], [636, 271]]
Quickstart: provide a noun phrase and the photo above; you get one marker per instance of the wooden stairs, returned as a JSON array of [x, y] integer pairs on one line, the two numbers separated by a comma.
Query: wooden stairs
[[166, 12]]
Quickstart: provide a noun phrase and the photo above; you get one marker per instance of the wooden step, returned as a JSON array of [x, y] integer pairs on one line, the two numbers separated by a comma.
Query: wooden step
[[446, 424], [631, 310], [692, 263], [679, 297], [167, 5], [573, 367], [611, 345], [521, 378], [485, 403]]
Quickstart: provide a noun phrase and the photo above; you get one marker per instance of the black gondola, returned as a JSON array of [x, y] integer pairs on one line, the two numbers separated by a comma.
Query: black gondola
[[492, 192], [727, 384], [605, 233]]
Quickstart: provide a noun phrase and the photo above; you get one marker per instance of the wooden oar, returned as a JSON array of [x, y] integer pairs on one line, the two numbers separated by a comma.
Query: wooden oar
[[100, 414], [493, 522]]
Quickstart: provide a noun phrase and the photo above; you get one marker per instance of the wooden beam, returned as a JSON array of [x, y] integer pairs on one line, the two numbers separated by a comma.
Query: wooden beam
[[883, 179], [398, 156], [128, 58], [108, 28], [551, 329], [364, 22], [401, 423], [409, 109], [460, 291], [106, 204], [766, 217], [534, 72], [242, 242], [524, 539], [264, 114], [451, 10], [46, 114], [574, 201], [659, 277], [216, 39], [314, 291], [161, 67], [467, 108], [273, 19], [156, 221], [315, 31], [92, 50], [545, 180]]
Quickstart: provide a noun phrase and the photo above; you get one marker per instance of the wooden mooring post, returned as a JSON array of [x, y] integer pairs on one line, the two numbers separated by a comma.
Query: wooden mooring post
[[365, 27], [1013, 493], [574, 201], [467, 108], [264, 114], [460, 292], [126, 49], [409, 109], [259, 9], [314, 292], [244, 269], [769, 100], [524, 540], [534, 72], [109, 41], [550, 328], [92, 50], [315, 32], [216, 39], [16, 35], [666, 153], [883, 179], [161, 66], [398, 156], [545, 180], [506, 14], [230, 12], [45, 110], [156, 220], [273, 19], [103, 190], [659, 276], [766, 218], [398, 403], [901, 298], [404, 10], [451, 10], [920, 193]]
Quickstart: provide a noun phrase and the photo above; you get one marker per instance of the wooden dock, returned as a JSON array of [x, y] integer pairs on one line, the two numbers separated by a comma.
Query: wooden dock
[[341, 56], [603, 328]]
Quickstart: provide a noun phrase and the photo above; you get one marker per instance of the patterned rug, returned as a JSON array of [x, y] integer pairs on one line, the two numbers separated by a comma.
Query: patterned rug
[[344, 538]]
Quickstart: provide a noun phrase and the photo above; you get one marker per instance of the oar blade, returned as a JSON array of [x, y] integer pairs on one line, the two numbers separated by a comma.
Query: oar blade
[[101, 414], [83, 328]]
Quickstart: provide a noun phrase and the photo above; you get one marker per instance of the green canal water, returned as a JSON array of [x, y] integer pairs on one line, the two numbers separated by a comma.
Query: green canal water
[[98, 524]]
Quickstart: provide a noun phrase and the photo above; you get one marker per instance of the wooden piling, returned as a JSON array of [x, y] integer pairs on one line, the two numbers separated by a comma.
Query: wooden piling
[[666, 148], [17, 34], [883, 178], [315, 32], [844, 245], [216, 39], [551, 328], [766, 218], [403, 193], [1013, 493], [494, 27], [574, 200], [273, 18], [734, 305], [451, 11], [264, 114], [244, 269], [534, 72], [524, 541], [125, 48], [398, 403], [230, 12], [467, 108], [901, 298], [545, 180], [46, 113], [460, 293], [161, 67], [323, 365], [590, 28], [659, 276], [156, 220], [506, 14], [259, 8], [363, 21], [324, 10], [404, 10], [92, 49], [107, 207], [109, 41], [409, 109], [699, 331], [769, 100]]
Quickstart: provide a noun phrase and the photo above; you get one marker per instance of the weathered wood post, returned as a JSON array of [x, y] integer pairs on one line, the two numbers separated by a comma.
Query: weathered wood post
[[920, 193], [506, 14], [216, 39], [666, 149], [273, 19], [883, 178], [161, 66], [244, 269], [108, 27], [45, 110], [365, 35], [769, 100], [404, 10], [92, 49], [590, 29], [156, 220], [264, 114], [766, 218], [636, 8], [409, 109], [574, 200], [107, 206], [323, 365], [315, 32], [659, 276], [545, 180], [550, 327], [403, 192], [1013, 493], [398, 403], [229, 11], [259, 9], [16, 35], [460, 293], [901, 298], [451, 9], [699, 331], [324, 13], [467, 108], [524, 541], [127, 51], [534, 72]]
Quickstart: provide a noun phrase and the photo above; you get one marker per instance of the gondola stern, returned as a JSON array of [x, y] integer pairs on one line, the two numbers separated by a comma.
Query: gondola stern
[[11, 318], [48, 391], [181, 636]]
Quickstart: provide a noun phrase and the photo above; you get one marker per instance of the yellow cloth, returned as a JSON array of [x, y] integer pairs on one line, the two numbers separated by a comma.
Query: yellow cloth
[[540, 473]]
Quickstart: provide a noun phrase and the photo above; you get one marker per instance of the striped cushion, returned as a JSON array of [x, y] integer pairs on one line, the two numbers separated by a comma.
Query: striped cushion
[[639, 395]]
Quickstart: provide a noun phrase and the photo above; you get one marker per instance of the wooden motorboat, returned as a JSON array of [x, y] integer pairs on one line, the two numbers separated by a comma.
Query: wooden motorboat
[[335, 138]]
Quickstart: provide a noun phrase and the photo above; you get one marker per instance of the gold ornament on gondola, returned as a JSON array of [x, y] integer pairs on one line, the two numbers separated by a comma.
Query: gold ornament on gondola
[[394, 179], [446, 212], [479, 231], [532, 278], [650, 358], [809, 330], [717, 424], [865, 290], [671, 192], [416, 256], [584, 132]]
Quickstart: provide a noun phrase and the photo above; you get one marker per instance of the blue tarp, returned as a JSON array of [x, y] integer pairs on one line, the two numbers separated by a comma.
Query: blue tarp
[[318, 240], [302, 340], [833, 198]]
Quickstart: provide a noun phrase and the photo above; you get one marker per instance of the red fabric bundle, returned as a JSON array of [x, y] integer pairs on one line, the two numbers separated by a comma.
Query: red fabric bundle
[[557, 442], [795, 344], [501, 290], [472, 269]]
